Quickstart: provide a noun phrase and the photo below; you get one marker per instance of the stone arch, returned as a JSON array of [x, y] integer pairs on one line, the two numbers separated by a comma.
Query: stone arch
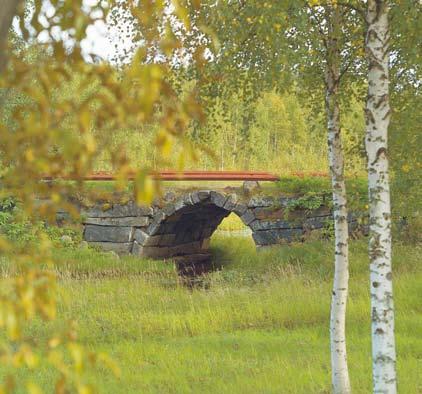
[[185, 225]]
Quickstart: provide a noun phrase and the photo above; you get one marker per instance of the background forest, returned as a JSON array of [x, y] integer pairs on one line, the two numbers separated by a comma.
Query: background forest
[[209, 85]]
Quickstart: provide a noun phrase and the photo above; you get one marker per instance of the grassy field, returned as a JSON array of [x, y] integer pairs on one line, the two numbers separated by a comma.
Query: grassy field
[[258, 325]]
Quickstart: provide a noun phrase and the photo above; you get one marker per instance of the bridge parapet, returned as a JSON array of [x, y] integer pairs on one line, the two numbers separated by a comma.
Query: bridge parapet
[[183, 225]]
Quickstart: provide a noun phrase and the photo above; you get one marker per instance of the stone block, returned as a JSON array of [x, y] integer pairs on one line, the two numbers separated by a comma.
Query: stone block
[[154, 252], [317, 222], [152, 240], [186, 248], [187, 199], [271, 237], [169, 209], [181, 235], [167, 239], [158, 252], [179, 204], [265, 213], [117, 210], [247, 217], [118, 247], [137, 221], [94, 233], [140, 236], [249, 186], [261, 201], [231, 202], [258, 225], [169, 196], [195, 197], [168, 226], [136, 249], [240, 209], [153, 228], [207, 232], [218, 199], [290, 235], [202, 195], [63, 217], [175, 217], [321, 211], [264, 238], [205, 244]]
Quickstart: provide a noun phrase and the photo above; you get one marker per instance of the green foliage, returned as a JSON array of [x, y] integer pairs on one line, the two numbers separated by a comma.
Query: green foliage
[[309, 201], [406, 162], [15, 228], [282, 134], [62, 110], [7, 204]]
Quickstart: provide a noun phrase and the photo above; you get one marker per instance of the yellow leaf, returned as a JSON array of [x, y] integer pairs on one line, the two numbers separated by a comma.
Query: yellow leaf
[[55, 197], [33, 388], [91, 145], [405, 168], [144, 188], [12, 326], [29, 155], [84, 120], [30, 358], [164, 143], [77, 355], [84, 389], [54, 342]]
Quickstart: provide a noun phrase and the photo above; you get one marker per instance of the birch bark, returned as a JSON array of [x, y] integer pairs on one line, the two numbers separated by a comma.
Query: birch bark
[[377, 121], [340, 374]]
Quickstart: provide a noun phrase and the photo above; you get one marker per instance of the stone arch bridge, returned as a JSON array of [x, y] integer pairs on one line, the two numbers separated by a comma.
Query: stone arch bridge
[[182, 225]]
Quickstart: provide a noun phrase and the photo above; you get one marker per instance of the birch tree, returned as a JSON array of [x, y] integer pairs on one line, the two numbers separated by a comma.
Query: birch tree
[[378, 113], [317, 44], [339, 370]]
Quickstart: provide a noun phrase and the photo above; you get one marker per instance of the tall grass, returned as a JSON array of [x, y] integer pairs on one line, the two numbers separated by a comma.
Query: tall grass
[[258, 325]]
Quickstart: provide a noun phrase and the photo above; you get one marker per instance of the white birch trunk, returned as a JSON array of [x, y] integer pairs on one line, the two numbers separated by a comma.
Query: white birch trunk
[[340, 374], [377, 121]]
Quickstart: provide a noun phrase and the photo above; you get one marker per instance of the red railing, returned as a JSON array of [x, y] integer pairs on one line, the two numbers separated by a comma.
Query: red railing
[[171, 175]]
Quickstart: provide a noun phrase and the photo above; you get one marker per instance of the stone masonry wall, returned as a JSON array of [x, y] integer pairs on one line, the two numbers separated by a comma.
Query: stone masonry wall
[[183, 225]]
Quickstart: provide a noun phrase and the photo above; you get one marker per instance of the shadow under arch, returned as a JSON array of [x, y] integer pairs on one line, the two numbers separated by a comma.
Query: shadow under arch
[[184, 227]]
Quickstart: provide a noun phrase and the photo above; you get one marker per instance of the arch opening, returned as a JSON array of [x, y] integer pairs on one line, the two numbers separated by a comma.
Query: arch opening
[[184, 228]]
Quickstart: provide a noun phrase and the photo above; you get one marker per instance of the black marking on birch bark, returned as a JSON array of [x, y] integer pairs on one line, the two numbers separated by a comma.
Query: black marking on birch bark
[[384, 98], [387, 114], [369, 116], [380, 151]]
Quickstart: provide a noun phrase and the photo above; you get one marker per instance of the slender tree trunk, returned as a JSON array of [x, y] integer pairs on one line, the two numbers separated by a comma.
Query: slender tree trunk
[[340, 374], [7, 12], [377, 121]]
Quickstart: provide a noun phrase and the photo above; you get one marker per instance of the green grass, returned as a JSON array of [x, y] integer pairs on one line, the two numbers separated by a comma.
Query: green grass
[[259, 325], [232, 223]]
